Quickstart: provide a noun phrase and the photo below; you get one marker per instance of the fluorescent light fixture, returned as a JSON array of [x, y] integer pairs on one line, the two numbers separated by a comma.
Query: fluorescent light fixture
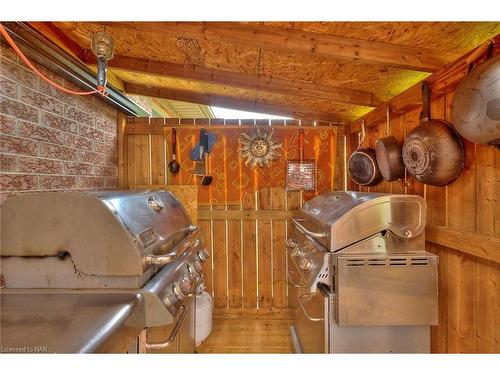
[[234, 114]]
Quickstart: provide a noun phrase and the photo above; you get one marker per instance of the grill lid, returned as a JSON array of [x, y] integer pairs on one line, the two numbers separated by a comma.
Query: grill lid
[[104, 232], [329, 207], [340, 218], [151, 217]]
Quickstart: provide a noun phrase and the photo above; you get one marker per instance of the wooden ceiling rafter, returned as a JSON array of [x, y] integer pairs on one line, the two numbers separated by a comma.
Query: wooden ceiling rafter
[[303, 42], [231, 102], [440, 81], [241, 80], [298, 94]]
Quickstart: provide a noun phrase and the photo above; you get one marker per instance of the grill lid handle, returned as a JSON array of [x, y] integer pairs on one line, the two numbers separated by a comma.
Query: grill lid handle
[[306, 231], [162, 259]]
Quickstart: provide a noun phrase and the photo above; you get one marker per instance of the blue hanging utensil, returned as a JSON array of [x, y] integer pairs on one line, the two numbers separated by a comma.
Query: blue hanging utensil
[[199, 166], [194, 154]]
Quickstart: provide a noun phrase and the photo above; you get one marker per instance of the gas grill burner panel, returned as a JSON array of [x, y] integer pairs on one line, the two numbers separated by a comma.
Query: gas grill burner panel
[[338, 219]]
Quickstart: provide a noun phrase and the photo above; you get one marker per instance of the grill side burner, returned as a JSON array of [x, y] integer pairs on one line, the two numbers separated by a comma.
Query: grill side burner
[[360, 269], [136, 243]]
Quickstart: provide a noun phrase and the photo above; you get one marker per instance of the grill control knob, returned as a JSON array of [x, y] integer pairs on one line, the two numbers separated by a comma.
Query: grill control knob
[[203, 254], [195, 270], [183, 287], [306, 265], [198, 268], [291, 243], [297, 252]]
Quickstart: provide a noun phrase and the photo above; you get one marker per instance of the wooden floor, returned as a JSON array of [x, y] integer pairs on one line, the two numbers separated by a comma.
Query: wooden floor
[[249, 331]]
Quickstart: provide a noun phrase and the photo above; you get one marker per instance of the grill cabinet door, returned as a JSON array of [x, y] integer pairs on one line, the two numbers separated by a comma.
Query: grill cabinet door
[[311, 322]]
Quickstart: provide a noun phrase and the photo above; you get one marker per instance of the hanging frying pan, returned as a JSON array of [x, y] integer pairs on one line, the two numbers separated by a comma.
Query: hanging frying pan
[[362, 164], [174, 165], [433, 152], [388, 153], [475, 107]]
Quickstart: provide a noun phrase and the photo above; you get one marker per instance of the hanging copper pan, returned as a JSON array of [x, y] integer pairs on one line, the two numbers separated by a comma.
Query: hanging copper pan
[[362, 164], [388, 153], [476, 103], [433, 152]]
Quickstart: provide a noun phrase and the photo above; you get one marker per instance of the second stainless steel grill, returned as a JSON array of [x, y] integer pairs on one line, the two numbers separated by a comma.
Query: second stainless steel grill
[[359, 265]]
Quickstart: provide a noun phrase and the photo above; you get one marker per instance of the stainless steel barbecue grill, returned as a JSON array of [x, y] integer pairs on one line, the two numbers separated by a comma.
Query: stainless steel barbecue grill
[[131, 256], [363, 280]]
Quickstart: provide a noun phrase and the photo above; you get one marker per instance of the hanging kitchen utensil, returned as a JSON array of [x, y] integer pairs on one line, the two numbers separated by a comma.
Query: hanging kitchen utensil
[[433, 152], [475, 107], [362, 164], [206, 179], [388, 153], [301, 173], [174, 165], [194, 154], [199, 166]]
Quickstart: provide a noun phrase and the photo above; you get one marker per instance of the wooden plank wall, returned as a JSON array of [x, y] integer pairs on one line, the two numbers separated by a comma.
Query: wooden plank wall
[[146, 151], [244, 212], [464, 216], [247, 244]]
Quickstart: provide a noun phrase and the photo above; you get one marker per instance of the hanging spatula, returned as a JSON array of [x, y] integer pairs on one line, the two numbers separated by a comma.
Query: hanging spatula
[[206, 179], [199, 165]]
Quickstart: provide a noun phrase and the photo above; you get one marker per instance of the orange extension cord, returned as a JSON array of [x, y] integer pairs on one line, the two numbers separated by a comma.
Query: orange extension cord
[[101, 89]]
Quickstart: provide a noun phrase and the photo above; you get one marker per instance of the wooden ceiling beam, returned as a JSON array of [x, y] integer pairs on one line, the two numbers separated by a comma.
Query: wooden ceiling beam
[[241, 80], [231, 102], [440, 82], [304, 42]]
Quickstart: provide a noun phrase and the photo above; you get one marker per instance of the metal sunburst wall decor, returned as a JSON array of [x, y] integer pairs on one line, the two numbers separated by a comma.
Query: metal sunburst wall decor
[[260, 147]]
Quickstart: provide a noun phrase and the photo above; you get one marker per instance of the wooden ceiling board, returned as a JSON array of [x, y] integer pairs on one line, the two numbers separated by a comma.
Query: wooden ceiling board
[[383, 81], [343, 111], [346, 112], [452, 37], [236, 58], [457, 37], [238, 80], [171, 48], [307, 43], [130, 44]]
